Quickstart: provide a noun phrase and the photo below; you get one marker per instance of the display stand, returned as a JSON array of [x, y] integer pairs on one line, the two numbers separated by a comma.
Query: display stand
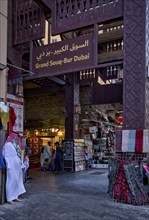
[[101, 154], [74, 155], [89, 145], [35, 147], [68, 155], [79, 155]]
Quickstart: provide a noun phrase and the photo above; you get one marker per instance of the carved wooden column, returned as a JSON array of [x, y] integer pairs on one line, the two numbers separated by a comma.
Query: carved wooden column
[[135, 74], [71, 101], [147, 68]]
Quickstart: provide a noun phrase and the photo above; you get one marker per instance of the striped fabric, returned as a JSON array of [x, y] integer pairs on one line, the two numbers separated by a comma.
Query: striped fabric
[[132, 141], [145, 141], [118, 140], [139, 141], [125, 138]]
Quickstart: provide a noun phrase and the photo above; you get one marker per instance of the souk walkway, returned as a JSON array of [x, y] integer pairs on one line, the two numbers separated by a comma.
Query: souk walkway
[[73, 196]]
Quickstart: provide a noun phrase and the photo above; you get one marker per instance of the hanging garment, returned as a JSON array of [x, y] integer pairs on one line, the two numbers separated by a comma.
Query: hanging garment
[[132, 141], [12, 119], [121, 188], [135, 184], [113, 166], [118, 140], [139, 141], [4, 119], [145, 141], [125, 138], [1, 126], [14, 180], [4, 115], [146, 168], [2, 165], [2, 138]]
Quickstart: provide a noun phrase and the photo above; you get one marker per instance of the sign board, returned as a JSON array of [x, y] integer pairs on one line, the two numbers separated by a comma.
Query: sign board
[[17, 103], [63, 57]]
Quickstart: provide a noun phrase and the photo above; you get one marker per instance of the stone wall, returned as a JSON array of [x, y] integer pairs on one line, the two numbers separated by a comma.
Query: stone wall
[[46, 108]]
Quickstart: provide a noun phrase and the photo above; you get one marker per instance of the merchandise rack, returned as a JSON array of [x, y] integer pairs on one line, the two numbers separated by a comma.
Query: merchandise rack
[[68, 161], [131, 155]]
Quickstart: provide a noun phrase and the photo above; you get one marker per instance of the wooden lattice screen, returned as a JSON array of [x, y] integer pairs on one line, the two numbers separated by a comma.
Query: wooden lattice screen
[[72, 14], [28, 21]]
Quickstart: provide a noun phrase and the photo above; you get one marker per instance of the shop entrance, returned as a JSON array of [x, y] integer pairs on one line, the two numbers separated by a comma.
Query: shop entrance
[[44, 116]]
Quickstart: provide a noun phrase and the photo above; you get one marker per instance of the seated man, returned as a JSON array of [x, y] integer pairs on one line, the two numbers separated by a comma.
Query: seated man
[[46, 165]]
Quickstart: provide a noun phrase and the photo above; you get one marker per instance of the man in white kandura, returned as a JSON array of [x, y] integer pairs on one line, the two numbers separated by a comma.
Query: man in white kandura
[[14, 180], [47, 152]]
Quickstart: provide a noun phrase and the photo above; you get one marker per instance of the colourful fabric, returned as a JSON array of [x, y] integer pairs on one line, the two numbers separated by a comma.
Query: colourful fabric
[[2, 138], [2, 165], [125, 138], [127, 185], [121, 188], [1, 126], [12, 119], [4, 119], [118, 140], [145, 141], [139, 141], [146, 167], [4, 115], [132, 141]]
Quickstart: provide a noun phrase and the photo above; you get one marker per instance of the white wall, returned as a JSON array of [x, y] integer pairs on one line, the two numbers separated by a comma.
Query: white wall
[[3, 47]]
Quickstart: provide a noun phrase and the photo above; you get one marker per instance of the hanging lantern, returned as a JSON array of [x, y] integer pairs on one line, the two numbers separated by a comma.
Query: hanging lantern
[[120, 119], [19, 90]]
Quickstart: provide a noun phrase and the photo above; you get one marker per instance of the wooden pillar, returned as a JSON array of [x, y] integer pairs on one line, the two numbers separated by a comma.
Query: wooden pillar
[[135, 74], [71, 102], [147, 68]]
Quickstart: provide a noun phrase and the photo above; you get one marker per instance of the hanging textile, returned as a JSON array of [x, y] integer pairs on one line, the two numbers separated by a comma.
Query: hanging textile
[[132, 141], [12, 119], [2, 138], [125, 182], [118, 140], [145, 141], [1, 126], [4, 115], [139, 141], [135, 184], [125, 138], [113, 169], [2, 165], [121, 189]]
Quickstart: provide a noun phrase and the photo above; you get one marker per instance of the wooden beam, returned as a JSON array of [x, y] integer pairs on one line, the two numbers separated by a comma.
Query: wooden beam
[[111, 56], [50, 90], [110, 36]]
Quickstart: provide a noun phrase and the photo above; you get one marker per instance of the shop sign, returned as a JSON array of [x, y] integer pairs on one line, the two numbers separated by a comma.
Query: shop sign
[[63, 57]]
